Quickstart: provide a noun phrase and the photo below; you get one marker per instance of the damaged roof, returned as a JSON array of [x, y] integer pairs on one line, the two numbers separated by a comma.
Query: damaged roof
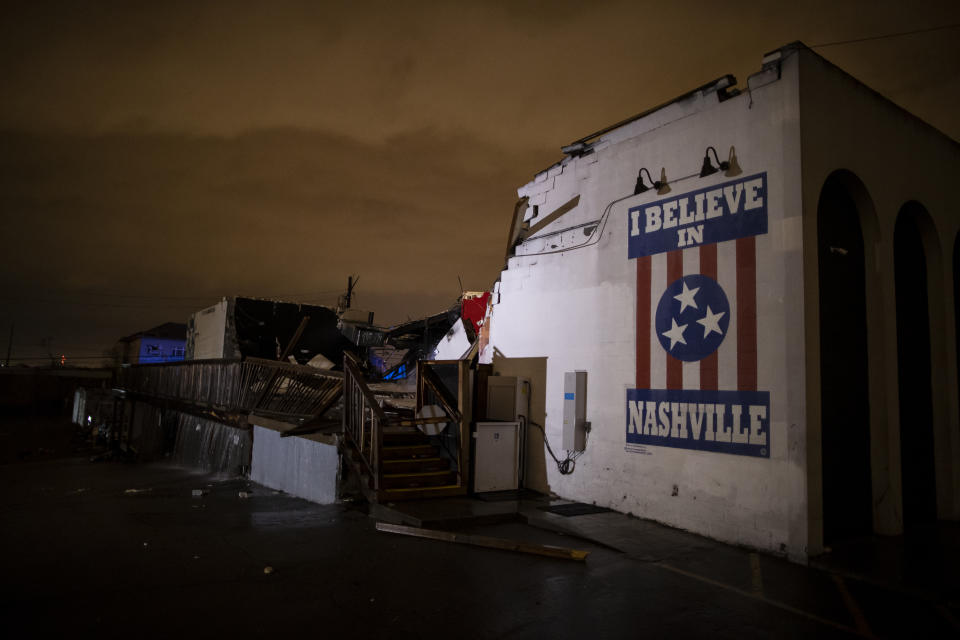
[[171, 330]]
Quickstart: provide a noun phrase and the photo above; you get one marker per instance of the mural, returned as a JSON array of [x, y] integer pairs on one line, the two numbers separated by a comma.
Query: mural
[[698, 313]]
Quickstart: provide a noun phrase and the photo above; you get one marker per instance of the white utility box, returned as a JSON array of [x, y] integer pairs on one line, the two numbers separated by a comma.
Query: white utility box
[[496, 456]]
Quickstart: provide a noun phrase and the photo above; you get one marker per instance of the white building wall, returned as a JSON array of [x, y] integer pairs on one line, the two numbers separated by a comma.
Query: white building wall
[[577, 307], [898, 158], [209, 331]]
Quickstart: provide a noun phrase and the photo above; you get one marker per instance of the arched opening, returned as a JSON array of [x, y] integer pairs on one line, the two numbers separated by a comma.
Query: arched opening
[[956, 302], [844, 382], [917, 462]]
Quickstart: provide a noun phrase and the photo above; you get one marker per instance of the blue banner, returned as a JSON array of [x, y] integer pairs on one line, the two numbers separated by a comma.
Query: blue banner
[[726, 211], [736, 422]]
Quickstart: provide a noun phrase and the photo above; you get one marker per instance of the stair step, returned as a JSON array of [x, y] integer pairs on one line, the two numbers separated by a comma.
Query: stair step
[[395, 452], [415, 474], [396, 429], [413, 480], [414, 437], [415, 465], [417, 493]]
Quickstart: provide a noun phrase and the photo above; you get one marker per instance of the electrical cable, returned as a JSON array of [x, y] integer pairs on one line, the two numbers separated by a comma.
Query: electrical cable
[[884, 36], [597, 233], [565, 466], [138, 300], [107, 305]]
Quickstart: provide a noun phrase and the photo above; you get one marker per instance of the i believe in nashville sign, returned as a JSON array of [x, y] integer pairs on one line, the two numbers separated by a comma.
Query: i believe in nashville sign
[[690, 314]]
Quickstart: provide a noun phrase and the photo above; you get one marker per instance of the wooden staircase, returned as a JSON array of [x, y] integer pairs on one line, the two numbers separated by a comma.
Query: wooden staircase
[[410, 469], [392, 458]]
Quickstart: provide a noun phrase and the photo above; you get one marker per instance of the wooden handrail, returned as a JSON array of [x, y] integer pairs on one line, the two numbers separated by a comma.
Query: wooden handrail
[[443, 396], [349, 360], [358, 397], [181, 363], [297, 368], [254, 385]]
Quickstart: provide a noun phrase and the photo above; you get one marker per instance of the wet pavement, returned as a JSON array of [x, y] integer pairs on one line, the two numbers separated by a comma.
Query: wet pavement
[[111, 549]]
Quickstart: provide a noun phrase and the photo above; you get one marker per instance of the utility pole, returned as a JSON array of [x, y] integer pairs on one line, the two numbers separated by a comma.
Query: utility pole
[[9, 344], [351, 283], [343, 302]]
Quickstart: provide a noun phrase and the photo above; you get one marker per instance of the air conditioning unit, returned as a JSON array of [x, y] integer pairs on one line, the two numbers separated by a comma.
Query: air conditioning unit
[[508, 398]]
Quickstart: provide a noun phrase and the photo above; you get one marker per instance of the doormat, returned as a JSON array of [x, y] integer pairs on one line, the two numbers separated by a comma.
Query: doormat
[[574, 509], [504, 496]]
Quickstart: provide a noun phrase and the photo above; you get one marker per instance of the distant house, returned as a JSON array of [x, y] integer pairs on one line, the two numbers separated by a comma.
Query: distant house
[[163, 343]]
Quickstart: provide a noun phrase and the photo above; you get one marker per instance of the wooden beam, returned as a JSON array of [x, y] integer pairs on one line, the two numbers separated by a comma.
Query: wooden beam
[[486, 541], [552, 216], [415, 421], [516, 227], [294, 368], [328, 427], [295, 339], [272, 424]]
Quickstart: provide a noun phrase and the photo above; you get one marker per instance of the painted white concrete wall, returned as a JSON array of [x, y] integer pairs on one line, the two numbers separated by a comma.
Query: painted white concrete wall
[[571, 297], [301, 467], [898, 158]]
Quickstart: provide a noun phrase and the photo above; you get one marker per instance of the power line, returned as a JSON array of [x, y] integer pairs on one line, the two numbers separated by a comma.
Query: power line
[[133, 296], [99, 304], [82, 292], [144, 305], [884, 36]]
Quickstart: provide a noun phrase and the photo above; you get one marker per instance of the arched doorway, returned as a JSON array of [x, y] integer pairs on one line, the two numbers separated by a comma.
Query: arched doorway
[[956, 302], [844, 382], [917, 462]]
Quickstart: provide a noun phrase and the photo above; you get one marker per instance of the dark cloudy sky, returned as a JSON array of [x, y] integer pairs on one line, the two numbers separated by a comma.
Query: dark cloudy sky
[[156, 156]]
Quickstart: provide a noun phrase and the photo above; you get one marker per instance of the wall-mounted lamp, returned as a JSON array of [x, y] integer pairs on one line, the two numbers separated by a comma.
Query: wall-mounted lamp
[[660, 185], [730, 167]]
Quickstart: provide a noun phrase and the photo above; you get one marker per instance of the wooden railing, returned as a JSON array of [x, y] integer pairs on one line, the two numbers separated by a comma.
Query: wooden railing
[[455, 403], [363, 418], [252, 386]]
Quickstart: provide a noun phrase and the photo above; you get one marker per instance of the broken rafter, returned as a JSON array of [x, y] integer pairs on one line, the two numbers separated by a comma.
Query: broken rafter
[[551, 217], [549, 551]]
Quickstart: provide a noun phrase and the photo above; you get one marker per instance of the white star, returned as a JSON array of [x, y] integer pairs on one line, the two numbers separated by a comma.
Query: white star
[[686, 298], [711, 322], [675, 333]]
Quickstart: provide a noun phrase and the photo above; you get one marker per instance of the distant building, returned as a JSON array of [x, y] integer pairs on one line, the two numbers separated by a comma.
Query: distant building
[[759, 345], [238, 327], [163, 343]]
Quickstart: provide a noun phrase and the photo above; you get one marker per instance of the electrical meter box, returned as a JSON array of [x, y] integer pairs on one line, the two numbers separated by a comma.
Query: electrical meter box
[[574, 410]]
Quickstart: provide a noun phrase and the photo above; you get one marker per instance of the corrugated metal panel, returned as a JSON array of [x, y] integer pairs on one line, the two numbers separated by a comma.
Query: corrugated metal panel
[[300, 467]]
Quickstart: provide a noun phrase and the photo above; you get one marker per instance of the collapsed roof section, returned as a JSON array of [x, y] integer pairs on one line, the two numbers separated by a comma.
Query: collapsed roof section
[[447, 335], [238, 327]]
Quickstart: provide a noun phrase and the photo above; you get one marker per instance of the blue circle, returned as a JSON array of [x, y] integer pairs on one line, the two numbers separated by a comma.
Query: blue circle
[[693, 316]]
